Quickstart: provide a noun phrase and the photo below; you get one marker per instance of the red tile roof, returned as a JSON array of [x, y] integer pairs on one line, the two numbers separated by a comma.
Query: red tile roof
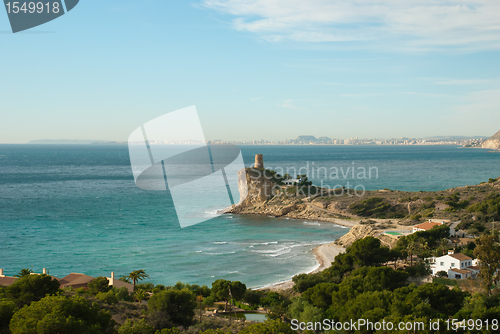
[[6, 281], [427, 225], [120, 284], [75, 279], [461, 271], [460, 257]]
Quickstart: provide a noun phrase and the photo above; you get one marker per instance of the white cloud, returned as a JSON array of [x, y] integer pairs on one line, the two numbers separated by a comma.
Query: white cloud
[[403, 25], [287, 104], [428, 94], [468, 82], [360, 95]]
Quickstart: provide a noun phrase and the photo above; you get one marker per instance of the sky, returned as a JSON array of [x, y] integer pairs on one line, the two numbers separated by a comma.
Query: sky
[[255, 69]]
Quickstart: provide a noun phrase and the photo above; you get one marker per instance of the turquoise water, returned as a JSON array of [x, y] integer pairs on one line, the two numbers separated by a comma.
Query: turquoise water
[[76, 209]]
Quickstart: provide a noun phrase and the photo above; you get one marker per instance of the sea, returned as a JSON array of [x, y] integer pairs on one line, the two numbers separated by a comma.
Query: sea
[[76, 208]]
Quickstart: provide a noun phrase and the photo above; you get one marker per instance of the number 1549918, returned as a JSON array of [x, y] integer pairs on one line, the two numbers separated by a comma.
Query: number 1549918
[[32, 7]]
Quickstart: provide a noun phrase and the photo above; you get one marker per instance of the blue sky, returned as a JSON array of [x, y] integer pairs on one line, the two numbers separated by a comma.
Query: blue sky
[[255, 69]]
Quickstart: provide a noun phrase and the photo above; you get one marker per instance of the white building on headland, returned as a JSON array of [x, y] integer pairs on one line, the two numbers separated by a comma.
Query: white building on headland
[[292, 182]]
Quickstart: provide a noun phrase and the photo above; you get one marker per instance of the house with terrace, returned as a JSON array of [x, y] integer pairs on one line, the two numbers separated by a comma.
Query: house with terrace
[[457, 266]]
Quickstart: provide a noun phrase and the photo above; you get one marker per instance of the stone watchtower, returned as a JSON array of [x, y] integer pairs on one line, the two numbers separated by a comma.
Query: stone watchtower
[[259, 161]]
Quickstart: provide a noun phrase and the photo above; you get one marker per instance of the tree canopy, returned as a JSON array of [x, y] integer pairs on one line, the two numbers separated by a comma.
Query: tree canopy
[[488, 253], [178, 304], [99, 284], [135, 276], [31, 288], [61, 314], [223, 290]]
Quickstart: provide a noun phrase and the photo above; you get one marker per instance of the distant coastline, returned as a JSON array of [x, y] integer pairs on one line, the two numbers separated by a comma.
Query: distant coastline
[[474, 141], [73, 142]]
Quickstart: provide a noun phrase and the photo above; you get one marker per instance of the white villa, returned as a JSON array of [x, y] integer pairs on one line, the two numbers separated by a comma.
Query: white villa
[[458, 266]]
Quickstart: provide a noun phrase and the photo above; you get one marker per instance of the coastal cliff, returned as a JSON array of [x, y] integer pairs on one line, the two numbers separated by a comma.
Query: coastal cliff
[[356, 233], [263, 195], [493, 142]]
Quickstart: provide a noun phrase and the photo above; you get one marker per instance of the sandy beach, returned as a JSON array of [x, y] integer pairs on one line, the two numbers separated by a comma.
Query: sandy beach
[[325, 254]]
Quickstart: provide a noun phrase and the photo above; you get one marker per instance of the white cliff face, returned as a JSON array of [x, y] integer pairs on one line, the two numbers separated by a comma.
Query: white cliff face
[[254, 187], [242, 185], [493, 142]]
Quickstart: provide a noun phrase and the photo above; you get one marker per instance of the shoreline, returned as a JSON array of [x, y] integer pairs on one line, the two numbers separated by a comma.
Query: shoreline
[[325, 254], [337, 221]]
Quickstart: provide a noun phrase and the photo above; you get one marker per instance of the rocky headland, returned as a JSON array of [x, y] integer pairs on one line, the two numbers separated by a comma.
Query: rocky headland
[[493, 142]]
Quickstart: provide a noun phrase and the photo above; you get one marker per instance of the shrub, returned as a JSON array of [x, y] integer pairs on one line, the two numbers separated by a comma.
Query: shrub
[[208, 301], [377, 207], [268, 327], [32, 288], [445, 281], [442, 274], [252, 297], [7, 309], [97, 285], [136, 327], [108, 297], [178, 304]]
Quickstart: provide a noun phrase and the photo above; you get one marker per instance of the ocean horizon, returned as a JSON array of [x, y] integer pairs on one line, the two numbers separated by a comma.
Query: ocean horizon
[[75, 208]]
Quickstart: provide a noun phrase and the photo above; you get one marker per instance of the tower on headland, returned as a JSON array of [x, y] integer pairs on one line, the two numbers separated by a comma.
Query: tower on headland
[[259, 161]]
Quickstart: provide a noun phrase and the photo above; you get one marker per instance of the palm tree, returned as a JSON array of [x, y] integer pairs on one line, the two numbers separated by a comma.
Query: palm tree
[[444, 243], [136, 275], [24, 272], [413, 247], [140, 295]]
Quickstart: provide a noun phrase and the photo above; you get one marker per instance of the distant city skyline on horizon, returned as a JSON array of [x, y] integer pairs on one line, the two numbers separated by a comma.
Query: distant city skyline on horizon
[[297, 140]]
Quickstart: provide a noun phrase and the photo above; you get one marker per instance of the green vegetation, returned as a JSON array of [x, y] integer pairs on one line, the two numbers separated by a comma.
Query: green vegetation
[[136, 275], [444, 280], [35, 304], [179, 305], [226, 290], [363, 252], [61, 314], [488, 253], [454, 202], [99, 285], [488, 209], [31, 288], [376, 207], [269, 327], [24, 272], [362, 283], [347, 291]]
